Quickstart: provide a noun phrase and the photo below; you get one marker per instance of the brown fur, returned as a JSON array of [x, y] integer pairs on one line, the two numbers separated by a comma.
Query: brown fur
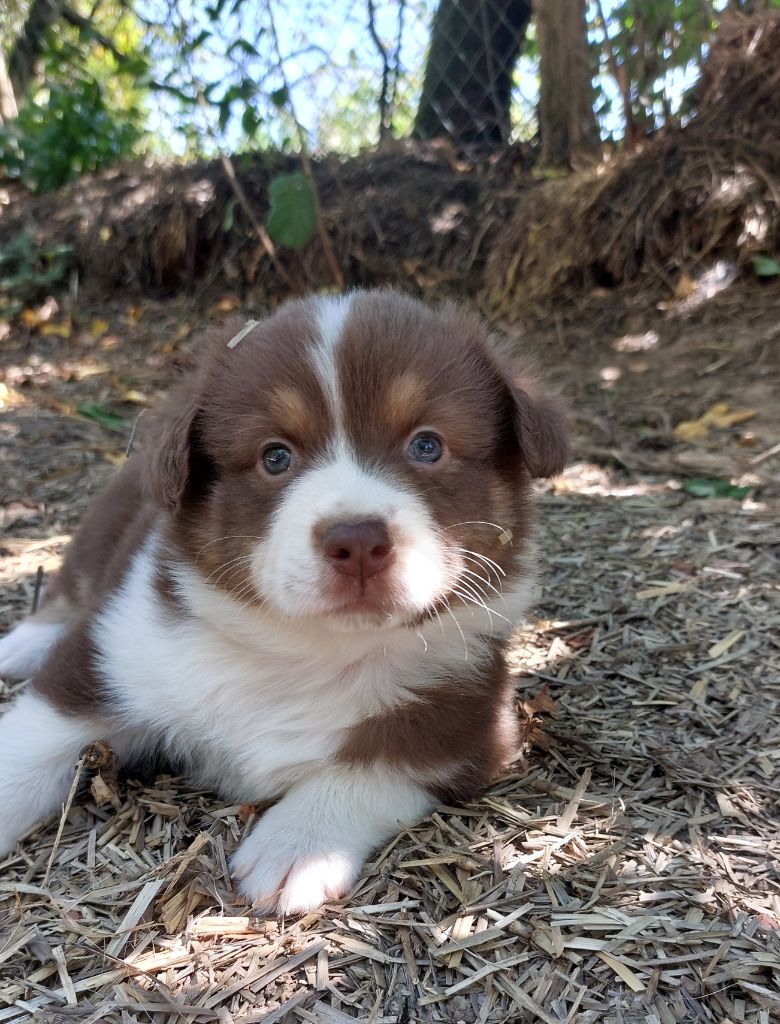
[[73, 660], [463, 730]]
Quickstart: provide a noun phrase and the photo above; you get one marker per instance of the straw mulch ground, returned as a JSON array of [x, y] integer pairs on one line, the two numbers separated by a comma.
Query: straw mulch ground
[[626, 872]]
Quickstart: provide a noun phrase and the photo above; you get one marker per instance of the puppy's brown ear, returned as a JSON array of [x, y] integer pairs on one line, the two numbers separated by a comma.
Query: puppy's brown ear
[[540, 425], [172, 450]]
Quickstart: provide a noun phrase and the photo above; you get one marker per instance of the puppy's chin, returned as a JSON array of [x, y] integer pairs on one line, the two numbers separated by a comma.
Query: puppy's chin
[[345, 606]]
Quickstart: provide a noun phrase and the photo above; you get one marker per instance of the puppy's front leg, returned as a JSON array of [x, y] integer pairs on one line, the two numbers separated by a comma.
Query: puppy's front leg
[[39, 746], [310, 846]]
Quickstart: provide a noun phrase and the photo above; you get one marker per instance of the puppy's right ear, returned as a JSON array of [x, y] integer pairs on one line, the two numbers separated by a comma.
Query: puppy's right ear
[[172, 446]]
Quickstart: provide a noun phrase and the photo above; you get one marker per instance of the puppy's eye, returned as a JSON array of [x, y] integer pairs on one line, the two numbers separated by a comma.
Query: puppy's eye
[[277, 459], [426, 448]]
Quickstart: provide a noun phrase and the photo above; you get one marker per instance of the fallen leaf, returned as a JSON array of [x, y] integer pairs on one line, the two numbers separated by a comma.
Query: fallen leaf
[[134, 313], [715, 489], [719, 415], [98, 327], [104, 417], [684, 287], [541, 702], [56, 330]]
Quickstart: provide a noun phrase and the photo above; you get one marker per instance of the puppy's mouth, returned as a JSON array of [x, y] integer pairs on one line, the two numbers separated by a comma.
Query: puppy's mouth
[[374, 598]]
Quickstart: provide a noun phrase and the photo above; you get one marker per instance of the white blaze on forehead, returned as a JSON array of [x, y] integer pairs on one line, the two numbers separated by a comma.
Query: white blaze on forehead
[[331, 314]]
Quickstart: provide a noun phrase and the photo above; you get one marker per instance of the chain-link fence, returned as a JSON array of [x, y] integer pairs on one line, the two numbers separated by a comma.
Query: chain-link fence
[[351, 73]]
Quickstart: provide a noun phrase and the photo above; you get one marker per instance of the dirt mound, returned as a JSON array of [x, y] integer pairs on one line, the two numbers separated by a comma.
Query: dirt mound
[[691, 196], [411, 215]]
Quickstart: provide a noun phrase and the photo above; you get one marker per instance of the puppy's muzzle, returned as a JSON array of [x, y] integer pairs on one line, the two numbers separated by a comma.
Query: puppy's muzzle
[[361, 549]]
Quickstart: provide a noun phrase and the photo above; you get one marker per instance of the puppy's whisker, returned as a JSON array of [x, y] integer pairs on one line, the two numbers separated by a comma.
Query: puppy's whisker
[[222, 569], [459, 628], [227, 536], [471, 599], [484, 558], [475, 522], [487, 583]]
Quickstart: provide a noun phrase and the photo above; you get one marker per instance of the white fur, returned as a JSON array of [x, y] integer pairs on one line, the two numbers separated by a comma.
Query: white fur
[[39, 747], [26, 647], [253, 700], [292, 573], [331, 313], [310, 846]]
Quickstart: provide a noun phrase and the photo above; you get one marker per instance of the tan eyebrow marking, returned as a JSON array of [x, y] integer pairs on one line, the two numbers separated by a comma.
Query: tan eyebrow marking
[[290, 409], [405, 398]]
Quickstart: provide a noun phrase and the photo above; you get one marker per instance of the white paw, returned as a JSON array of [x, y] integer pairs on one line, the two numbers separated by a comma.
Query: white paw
[[286, 880], [310, 847]]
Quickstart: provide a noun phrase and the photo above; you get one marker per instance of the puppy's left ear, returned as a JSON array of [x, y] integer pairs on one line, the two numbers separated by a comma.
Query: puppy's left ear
[[540, 425], [171, 448]]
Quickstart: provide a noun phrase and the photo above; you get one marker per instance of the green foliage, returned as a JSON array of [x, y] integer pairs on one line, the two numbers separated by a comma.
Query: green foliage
[[27, 273], [655, 42], [67, 132], [87, 111], [292, 217], [765, 266]]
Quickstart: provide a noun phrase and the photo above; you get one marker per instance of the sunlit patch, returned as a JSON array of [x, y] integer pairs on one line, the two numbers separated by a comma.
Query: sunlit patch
[[314, 880], [636, 342], [610, 375], [733, 187], [447, 219], [422, 574], [589, 478]]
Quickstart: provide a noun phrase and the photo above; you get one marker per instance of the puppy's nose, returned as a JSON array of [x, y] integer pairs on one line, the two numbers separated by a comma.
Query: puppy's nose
[[358, 549]]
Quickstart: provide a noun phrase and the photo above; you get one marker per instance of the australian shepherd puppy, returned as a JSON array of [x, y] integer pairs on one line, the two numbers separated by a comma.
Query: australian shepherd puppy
[[300, 587]]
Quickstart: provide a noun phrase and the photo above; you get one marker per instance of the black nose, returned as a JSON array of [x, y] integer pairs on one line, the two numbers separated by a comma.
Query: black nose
[[358, 549]]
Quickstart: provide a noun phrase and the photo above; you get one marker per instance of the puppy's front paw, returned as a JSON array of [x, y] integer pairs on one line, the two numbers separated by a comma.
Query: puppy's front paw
[[291, 874]]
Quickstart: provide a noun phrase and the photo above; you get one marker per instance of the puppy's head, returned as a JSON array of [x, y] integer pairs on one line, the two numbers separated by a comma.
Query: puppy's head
[[362, 459]]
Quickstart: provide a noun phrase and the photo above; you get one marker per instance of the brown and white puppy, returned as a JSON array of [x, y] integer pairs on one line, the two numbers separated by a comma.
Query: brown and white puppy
[[300, 586]]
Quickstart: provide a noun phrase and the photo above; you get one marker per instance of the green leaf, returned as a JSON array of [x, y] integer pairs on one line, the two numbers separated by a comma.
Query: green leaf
[[244, 45], [250, 122], [107, 419], [715, 489], [199, 40], [765, 266], [279, 97], [292, 217]]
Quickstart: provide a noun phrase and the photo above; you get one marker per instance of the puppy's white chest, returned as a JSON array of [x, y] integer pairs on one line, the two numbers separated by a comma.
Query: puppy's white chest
[[247, 717]]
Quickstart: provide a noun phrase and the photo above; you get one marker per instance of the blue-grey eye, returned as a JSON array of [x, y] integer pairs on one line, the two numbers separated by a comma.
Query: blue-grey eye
[[277, 459], [426, 448]]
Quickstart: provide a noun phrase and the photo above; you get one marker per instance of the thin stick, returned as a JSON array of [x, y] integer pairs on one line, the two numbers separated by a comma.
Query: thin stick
[[37, 590], [64, 816]]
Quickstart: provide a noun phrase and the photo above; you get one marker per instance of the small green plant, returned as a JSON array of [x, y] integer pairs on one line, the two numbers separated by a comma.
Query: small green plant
[[28, 273]]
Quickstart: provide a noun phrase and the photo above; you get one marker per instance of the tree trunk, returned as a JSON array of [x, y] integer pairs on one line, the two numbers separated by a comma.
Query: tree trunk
[[567, 124], [468, 75], [8, 109], [29, 46]]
